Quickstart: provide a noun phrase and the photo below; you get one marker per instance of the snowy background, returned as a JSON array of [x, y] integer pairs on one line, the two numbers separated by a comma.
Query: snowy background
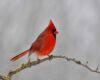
[[78, 23]]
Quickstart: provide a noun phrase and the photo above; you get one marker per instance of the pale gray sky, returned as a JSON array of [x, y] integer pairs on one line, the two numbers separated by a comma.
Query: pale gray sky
[[78, 23]]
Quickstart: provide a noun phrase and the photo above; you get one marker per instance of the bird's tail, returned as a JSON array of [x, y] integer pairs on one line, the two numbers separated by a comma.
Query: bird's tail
[[20, 55]]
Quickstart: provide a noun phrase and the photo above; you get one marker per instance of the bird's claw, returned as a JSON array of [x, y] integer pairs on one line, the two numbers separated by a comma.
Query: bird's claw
[[38, 60], [50, 57], [29, 62]]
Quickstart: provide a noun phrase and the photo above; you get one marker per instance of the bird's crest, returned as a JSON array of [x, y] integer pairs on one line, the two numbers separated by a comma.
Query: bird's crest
[[51, 25]]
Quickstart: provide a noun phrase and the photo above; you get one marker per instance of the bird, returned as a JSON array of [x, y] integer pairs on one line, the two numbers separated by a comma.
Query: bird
[[43, 45]]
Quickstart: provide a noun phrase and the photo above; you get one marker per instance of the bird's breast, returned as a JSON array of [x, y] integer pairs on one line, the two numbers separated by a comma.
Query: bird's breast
[[47, 45]]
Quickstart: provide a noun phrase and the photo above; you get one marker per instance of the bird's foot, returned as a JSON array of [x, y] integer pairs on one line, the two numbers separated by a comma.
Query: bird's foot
[[50, 57], [38, 60], [29, 62]]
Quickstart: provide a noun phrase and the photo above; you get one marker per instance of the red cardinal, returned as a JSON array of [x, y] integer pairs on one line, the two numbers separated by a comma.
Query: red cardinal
[[43, 45]]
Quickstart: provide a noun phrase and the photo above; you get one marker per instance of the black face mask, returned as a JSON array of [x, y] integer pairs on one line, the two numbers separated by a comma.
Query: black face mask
[[53, 31]]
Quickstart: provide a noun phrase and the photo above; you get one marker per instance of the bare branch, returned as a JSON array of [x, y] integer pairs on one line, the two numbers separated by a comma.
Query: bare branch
[[33, 63], [79, 63], [1, 77]]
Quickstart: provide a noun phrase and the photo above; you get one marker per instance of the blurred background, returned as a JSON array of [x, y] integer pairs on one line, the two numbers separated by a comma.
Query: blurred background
[[78, 23]]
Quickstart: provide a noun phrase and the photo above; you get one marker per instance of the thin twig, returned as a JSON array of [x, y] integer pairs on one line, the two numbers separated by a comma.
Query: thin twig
[[33, 63]]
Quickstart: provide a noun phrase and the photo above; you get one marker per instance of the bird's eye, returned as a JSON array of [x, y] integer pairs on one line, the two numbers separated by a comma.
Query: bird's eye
[[54, 30]]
